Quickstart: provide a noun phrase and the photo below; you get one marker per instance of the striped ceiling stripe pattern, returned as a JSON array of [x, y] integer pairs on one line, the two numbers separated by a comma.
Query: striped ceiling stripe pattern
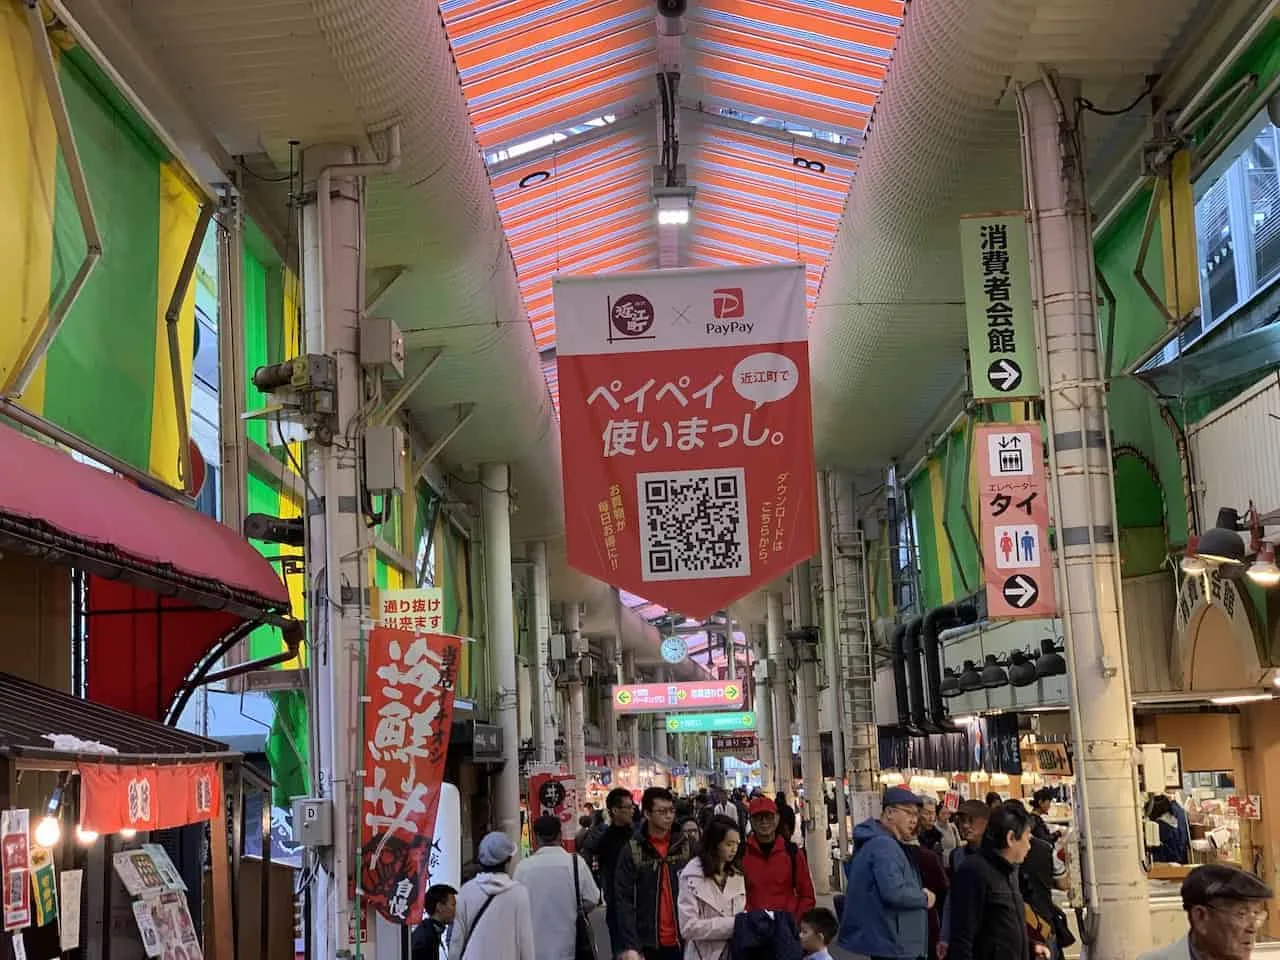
[[761, 199], [531, 68]]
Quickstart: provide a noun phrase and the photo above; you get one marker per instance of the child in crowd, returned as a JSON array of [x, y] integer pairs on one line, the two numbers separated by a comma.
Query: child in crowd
[[817, 929]]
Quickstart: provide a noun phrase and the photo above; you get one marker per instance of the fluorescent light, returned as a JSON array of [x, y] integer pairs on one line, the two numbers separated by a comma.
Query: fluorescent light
[[673, 218], [673, 207], [1240, 698]]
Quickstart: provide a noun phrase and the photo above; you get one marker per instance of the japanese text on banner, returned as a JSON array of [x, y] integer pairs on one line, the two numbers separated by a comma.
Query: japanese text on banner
[[419, 609], [408, 715]]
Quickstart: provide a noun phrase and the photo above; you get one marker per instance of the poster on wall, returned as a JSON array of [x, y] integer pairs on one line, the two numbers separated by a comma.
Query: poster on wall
[[1013, 511], [15, 828], [685, 409], [408, 716], [556, 794]]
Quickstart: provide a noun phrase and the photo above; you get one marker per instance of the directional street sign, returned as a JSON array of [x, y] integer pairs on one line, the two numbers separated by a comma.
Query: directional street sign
[[1004, 375], [1021, 591], [710, 722], [666, 697]]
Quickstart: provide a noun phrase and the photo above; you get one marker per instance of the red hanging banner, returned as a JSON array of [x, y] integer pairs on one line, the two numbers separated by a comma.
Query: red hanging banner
[[408, 715], [127, 797], [686, 430]]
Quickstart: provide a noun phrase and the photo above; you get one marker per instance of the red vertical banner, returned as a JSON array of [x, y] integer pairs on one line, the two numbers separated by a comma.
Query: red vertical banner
[[408, 714], [1017, 563], [556, 794], [685, 413]]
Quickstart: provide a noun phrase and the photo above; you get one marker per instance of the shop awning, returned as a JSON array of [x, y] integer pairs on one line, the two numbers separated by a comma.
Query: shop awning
[[167, 587]]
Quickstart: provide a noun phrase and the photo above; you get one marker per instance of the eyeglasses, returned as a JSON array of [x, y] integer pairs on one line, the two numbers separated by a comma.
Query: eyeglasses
[[1241, 913]]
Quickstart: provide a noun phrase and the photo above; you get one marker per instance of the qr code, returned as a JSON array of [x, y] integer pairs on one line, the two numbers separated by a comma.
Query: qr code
[[693, 524]]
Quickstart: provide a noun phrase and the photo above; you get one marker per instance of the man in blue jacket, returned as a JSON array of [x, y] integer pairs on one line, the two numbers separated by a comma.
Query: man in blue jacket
[[886, 912]]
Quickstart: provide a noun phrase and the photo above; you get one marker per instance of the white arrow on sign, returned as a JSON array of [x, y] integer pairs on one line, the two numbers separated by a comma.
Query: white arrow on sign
[[1021, 591], [1004, 375]]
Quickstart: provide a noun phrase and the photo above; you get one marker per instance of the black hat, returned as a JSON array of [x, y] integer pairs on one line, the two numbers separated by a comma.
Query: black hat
[[1214, 882]]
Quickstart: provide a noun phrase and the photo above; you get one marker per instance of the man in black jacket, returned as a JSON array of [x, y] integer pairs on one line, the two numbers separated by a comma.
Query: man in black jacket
[[988, 918], [428, 938], [601, 848], [646, 883]]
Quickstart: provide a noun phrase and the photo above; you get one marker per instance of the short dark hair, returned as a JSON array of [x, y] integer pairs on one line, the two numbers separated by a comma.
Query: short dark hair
[[716, 831], [823, 922], [993, 799], [436, 895], [1005, 819], [1041, 795], [547, 828], [653, 795], [1213, 882], [616, 797]]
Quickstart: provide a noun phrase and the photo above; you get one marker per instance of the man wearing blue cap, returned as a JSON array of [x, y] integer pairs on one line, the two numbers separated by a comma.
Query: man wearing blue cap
[[886, 914]]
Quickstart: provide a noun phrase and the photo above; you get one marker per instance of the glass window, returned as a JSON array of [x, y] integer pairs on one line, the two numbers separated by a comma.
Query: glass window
[[1262, 184], [1215, 244], [206, 360]]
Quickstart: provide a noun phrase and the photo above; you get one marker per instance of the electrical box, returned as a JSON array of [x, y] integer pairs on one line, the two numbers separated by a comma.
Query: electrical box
[[580, 644], [763, 670], [313, 821], [384, 460], [382, 346], [557, 646]]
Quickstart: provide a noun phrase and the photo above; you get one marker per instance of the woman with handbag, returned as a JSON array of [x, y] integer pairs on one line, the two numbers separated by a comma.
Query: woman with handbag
[[712, 893]]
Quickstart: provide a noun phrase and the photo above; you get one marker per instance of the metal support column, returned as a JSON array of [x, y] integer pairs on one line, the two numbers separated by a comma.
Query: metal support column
[[337, 537], [853, 639], [500, 628], [763, 707], [780, 696], [544, 709], [575, 736], [810, 739], [836, 680], [613, 668], [1118, 922], [233, 475]]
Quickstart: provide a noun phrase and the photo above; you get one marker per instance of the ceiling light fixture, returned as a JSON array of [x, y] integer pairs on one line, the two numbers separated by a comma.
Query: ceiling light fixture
[[675, 205], [1239, 698]]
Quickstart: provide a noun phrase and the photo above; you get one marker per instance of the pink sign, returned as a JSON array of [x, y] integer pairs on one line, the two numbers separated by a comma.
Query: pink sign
[[674, 697], [1017, 563]]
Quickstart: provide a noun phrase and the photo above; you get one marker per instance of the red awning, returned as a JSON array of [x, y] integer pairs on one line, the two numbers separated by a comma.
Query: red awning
[[166, 582]]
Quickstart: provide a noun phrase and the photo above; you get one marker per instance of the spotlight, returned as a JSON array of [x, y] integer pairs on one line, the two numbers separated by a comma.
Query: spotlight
[[969, 679], [993, 674], [86, 838], [48, 832], [1050, 662], [950, 683], [1264, 571], [1022, 671], [1222, 543]]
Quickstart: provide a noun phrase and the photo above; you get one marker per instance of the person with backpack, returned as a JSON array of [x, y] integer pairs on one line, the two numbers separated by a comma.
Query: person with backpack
[[493, 918], [776, 870]]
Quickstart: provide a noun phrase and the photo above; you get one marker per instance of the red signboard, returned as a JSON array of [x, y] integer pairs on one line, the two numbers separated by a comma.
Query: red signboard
[[408, 713], [556, 794], [685, 413], [115, 798], [674, 697], [1013, 506]]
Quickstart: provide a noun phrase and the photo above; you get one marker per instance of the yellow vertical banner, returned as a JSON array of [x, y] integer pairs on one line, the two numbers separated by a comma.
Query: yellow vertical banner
[[28, 164], [1180, 257]]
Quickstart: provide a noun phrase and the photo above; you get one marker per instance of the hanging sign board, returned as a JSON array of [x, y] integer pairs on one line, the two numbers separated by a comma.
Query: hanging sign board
[[668, 697], [710, 722], [15, 826], [1013, 510], [123, 797], [685, 411], [740, 745], [557, 795], [408, 716], [998, 306], [418, 609]]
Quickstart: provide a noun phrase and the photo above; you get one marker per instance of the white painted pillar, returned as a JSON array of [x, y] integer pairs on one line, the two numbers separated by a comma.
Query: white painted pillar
[[575, 734], [1083, 501], [500, 633], [810, 739], [836, 678], [780, 695], [763, 707], [544, 709]]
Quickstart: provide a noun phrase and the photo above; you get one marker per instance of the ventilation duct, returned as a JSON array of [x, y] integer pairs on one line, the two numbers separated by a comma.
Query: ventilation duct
[[935, 621], [900, 675], [915, 675]]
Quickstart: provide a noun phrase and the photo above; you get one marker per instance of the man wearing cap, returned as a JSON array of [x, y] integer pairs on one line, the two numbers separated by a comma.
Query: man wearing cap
[[493, 917], [1226, 907], [886, 915], [776, 870]]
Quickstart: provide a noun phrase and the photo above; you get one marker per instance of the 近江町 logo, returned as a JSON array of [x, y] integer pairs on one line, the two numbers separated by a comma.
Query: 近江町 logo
[[631, 317], [727, 303]]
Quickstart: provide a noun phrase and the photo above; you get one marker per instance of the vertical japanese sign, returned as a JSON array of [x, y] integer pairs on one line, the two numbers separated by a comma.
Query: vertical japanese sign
[[556, 794], [408, 714], [1016, 560], [15, 827], [416, 609], [687, 428], [998, 306]]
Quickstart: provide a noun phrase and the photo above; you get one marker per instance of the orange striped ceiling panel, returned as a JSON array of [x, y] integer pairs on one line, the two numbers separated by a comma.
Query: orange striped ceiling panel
[[529, 67], [762, 198], [818, 63]]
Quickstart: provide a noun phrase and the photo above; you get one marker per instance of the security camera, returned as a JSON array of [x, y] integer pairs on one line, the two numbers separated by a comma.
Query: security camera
[[672, 8]]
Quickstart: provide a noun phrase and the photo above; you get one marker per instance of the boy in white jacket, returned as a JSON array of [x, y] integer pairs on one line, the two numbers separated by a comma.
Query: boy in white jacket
[[493, 918]]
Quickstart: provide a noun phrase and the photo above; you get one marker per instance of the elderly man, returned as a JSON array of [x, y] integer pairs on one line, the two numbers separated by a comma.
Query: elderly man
[[1226, 907]]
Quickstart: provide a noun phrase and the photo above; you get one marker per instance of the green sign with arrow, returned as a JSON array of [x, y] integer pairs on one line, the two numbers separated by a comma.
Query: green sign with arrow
[[710, 722]]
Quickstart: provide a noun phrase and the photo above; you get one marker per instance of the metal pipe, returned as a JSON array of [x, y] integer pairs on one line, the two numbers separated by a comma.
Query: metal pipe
[[936, 443], [1224, 100], [544, 713], [232, 440], [172, 315], [575, 736], [434, 450], [33, 352], [810, 738], [835, 668], [781, 698], [24, 417], [1223, 140]]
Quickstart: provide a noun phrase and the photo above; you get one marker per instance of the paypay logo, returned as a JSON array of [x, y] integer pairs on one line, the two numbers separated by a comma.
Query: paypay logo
[[729, 309]]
